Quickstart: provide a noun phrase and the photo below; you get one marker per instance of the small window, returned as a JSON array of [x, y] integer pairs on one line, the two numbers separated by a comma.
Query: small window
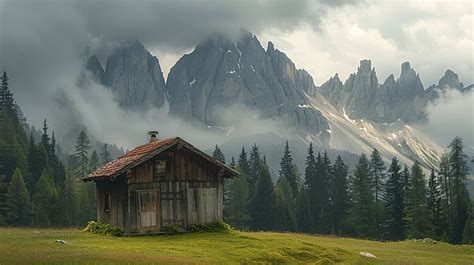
[[106, 202], [160, 168]]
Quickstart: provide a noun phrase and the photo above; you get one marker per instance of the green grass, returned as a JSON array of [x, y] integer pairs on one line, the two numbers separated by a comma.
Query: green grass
[[26, 246]]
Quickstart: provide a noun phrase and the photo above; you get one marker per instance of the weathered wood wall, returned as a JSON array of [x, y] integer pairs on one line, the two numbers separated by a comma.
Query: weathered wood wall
[[189, 192], [115, 191]]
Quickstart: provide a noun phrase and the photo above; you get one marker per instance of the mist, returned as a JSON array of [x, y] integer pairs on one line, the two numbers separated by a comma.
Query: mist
[[452, 115], [43, 46]]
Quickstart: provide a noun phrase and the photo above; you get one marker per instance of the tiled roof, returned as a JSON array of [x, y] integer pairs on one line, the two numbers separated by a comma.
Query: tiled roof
[[127, 159], [142, 153]]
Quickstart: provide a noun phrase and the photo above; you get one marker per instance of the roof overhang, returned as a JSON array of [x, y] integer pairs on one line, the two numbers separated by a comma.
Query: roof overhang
[[226, 171]]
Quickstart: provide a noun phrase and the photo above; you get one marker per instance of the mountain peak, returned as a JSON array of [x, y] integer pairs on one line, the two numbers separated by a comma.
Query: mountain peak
[[270, 46], [365, 66], [406, 67], [390, 80], [450, 80]]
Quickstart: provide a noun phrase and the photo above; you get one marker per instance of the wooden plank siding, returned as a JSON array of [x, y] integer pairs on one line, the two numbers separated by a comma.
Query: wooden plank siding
[[190, 191]]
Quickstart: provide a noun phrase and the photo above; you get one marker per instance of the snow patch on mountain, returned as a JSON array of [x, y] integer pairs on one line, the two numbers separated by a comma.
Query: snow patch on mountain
[[391, 139]]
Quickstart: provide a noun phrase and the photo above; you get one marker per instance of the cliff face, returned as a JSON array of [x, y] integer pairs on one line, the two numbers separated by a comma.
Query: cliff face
[[133, 75], [362, 96], [221, 72]]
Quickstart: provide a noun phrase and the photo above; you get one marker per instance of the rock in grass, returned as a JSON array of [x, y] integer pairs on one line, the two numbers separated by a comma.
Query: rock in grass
[[367, 254]]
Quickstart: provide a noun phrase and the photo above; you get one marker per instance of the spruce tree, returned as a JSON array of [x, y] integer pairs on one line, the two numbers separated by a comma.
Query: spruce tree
[[18, 201], [105, 155], [232, 162], [243, 162], [362, 195], [218, 155], [255, 166], [13, 140], [304, 218], [468, 233], [394, 203], [323, 180], [377, 175], [68, 203], [285, 204], [313, 185], [45, 200], [262, 212], [417, 215], [82, 148], [339, 195], [86, 203], [94, 161], [459, 172], [288, 170], [444, 180], [434, 204], [45, 139], [237, 210], [406, 179]]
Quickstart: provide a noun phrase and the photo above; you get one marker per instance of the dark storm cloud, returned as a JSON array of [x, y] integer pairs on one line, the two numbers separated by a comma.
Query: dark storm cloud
[[41, 44], [181, 24]]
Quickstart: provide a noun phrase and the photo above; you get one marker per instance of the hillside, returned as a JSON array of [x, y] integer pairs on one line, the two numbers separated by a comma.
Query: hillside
[[26, 246]]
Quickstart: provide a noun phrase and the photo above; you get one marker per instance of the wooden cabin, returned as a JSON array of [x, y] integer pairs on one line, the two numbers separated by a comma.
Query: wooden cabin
[[162, 184]]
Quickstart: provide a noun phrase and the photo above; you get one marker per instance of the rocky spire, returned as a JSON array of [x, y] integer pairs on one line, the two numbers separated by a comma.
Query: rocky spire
[[450, 80]]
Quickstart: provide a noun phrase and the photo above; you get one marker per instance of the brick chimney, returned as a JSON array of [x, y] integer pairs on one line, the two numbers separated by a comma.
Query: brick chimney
[[153, 136]]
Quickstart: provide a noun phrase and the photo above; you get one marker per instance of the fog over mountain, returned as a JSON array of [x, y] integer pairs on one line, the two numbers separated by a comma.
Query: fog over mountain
[[234, 87]]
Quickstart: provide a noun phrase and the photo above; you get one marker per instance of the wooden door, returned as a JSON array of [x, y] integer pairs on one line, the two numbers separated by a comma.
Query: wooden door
[[148, 210]]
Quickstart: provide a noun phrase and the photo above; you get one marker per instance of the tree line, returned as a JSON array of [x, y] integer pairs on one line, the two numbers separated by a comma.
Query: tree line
[[36, 188], [373, 201]]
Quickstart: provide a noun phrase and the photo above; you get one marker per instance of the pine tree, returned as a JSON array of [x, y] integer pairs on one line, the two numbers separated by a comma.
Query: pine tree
[[394, 203], [468, 233], [7, 102], [362, 195], [255, 166], [459, 172], [13, 140], [45, 200], [406, 179], [94, 161], [417, 215], [322, 185], [218, 155], [444, 180], [243, 162], [105, 155], [18, 201], [68, 203], [237, 210], [86, 203], [289, 171], [82, 148], [310, 179], [34, 164], [377, 175], [339, 195], [304, 218], [45, 140], [262, 213], [285, 204], [434, 204], [232, 162]]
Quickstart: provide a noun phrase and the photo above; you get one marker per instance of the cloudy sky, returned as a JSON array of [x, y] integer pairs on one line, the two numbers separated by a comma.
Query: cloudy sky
[[41, 41]]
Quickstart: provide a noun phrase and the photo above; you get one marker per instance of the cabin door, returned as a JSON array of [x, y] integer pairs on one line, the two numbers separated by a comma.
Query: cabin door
[[148, 210]]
